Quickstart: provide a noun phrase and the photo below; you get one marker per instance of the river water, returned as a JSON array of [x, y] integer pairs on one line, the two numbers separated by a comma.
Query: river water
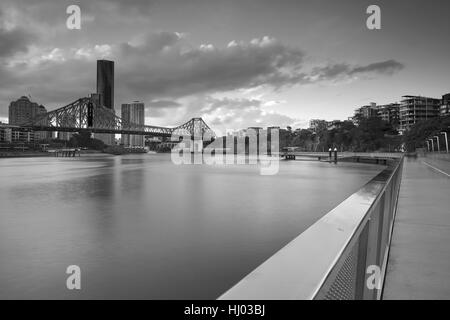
[[139, 226]]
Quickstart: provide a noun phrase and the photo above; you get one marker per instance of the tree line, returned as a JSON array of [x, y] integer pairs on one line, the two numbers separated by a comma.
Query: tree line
[[372, 134], [418, 134]]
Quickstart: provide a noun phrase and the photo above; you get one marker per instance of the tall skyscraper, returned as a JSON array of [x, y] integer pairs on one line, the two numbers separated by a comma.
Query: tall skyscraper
[[105, 91], [133, 113], [105, 82]]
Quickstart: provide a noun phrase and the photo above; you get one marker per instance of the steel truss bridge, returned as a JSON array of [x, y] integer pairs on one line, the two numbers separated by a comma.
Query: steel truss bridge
[[86, 115]]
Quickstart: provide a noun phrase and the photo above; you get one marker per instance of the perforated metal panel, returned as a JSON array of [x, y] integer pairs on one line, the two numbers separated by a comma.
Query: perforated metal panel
[[344, 285]]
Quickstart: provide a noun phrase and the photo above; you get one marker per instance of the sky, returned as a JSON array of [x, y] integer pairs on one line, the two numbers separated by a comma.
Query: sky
[[235, 63]]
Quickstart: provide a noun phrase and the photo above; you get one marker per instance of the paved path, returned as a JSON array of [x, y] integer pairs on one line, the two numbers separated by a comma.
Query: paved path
[[419, 261]]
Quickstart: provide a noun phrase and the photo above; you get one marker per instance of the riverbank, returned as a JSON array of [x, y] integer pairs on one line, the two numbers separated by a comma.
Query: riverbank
[[35, 154], [24, 154], [120, 150], [32, 154]]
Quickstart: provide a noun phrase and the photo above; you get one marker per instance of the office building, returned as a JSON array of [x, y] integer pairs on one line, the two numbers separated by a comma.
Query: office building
[[105, 91], [5, 133], [414, 109], [133, 114], [105, 82]]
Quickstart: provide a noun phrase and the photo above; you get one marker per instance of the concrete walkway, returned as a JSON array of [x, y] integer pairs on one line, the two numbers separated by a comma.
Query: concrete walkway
[[419, 260]]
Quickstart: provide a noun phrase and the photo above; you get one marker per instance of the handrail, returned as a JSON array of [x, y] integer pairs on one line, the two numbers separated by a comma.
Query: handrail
[[330, 259]]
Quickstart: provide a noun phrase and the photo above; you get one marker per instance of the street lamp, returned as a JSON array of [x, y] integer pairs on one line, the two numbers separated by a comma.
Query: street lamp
[[439, 149], [446, 139]]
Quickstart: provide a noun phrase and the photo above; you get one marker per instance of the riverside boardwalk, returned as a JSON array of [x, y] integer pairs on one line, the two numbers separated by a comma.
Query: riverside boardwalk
[[419, 259]]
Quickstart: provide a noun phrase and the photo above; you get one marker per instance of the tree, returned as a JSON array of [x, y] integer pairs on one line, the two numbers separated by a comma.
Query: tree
[[374, 134], [84, 140], [416, 136]]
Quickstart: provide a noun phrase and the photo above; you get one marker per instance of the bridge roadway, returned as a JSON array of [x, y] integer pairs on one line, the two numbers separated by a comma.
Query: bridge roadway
[[419, 259]]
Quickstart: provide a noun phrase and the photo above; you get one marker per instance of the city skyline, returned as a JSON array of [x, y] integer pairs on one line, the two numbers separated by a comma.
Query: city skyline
[[282, 73], [224, 154]]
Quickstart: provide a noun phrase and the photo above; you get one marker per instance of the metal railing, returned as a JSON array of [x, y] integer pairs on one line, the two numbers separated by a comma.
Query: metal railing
[[331, 259], [347, 154]]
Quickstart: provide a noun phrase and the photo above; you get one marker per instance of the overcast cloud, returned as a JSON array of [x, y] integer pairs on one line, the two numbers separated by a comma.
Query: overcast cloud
[[231, 81]]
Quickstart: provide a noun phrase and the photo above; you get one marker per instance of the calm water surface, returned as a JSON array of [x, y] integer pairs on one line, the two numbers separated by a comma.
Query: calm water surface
[[140, 227]]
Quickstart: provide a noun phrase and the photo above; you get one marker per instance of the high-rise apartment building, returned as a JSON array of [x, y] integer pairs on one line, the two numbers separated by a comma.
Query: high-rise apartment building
[[133, 113], [334, 124], [445, 105], [414, 109], [22, 111], [365, 112], [390, 113]]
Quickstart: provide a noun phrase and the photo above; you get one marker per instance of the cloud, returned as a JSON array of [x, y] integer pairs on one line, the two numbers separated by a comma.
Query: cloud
[[164, 104], [161, 108], [231, 114], [51, 79], [136, 6], [168, 72], [167, 65], [340, 71], [388, 67], [13, 41]]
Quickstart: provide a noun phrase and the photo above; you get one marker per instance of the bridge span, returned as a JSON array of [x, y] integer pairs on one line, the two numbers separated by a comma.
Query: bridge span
[[86, 115]]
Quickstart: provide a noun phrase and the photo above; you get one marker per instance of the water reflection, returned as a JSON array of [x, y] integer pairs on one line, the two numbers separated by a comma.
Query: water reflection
[[140, 227]]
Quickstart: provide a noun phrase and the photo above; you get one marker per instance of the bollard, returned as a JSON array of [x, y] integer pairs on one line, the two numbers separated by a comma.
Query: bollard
[[329, 154], [335, 155]]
